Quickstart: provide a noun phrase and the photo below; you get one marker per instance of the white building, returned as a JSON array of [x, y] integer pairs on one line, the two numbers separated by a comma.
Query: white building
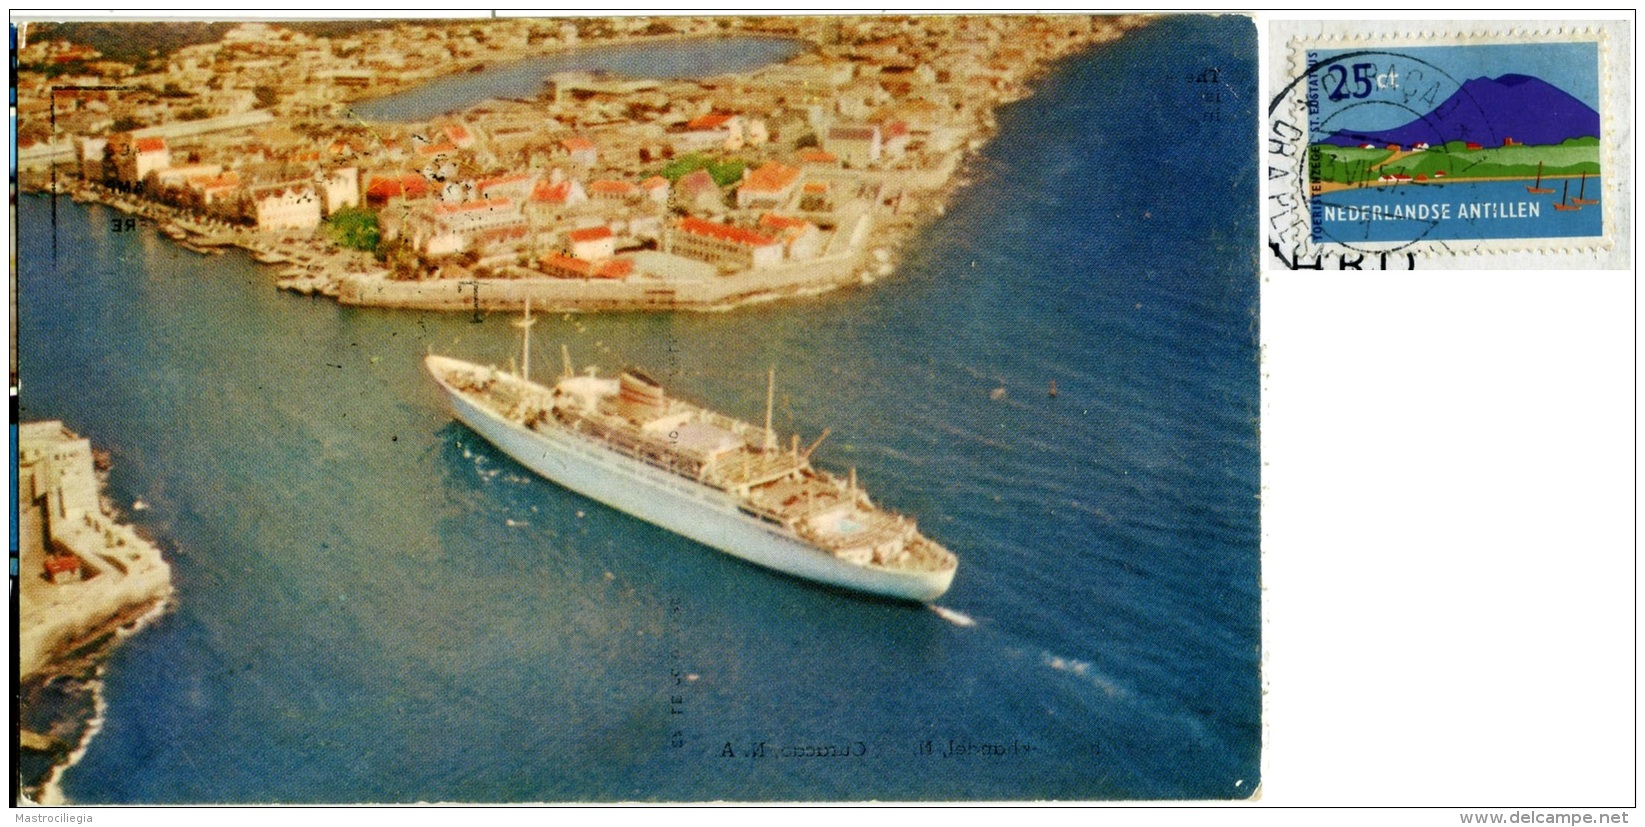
[[134, 159], [91, 157], [517, 187], [442, 229], [857, 146], [591, 243], [340, 189], [656, 188], [769, 187], [293, 205], [716, 129], [801, 238], [734, 248]]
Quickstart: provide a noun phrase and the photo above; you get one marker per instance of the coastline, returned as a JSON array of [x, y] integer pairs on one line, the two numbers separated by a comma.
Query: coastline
[[315, 266], [69, 625], [51, 787]]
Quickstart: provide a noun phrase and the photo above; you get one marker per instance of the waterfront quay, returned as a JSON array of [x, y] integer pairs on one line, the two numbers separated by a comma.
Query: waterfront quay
[[800, 161]]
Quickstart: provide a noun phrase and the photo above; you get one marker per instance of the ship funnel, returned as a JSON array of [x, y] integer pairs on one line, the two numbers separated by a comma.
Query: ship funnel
[[639, 397]]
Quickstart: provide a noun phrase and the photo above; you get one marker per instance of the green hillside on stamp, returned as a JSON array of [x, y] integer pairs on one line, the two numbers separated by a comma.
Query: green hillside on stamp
[[1347, 164], [1352, 165], [1572, 157]]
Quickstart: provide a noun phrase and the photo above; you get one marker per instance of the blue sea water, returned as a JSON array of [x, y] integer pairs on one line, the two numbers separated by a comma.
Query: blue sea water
[[376, 606]]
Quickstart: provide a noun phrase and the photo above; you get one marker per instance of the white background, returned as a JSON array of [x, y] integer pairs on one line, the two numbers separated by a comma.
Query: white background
[[1448, 556]]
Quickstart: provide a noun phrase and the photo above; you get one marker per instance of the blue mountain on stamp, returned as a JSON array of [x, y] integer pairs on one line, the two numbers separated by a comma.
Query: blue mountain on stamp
[[1525, 109]]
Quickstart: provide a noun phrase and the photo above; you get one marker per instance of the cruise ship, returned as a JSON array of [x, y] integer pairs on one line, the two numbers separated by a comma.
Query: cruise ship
[[717, 480]]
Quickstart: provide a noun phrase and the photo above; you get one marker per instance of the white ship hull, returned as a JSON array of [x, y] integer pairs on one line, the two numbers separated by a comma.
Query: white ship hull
[[699, 512]]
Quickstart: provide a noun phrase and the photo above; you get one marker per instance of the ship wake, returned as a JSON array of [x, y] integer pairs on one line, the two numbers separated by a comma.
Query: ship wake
[[1083, 669]]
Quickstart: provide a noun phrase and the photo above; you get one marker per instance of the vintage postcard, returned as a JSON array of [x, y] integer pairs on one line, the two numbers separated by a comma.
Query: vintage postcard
[[1439, 141], [684, 409]]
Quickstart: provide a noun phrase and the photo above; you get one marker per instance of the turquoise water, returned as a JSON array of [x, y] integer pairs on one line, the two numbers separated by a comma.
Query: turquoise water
[[375, 606], [693, 58]]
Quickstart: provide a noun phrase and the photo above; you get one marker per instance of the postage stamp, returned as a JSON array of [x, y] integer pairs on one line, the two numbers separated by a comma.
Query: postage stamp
[[1436, 141]]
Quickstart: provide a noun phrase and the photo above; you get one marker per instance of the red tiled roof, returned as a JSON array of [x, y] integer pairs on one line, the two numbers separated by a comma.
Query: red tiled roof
[[556, 193], [725, 232], [654, 182], [411, 185], [474, 206], [501, 181], [436, 149], [590, 234], [610, 187], [813, 155], [228, 180], [613, 269], [816, 187], [772, 177], [59, 563], [151, 144], [783, 222], [577, 143], [710, 121], [456, 132]]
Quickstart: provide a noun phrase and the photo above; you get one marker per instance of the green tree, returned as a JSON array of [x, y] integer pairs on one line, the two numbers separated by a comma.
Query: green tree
[[682, 166], [726, 173], [354, 228]]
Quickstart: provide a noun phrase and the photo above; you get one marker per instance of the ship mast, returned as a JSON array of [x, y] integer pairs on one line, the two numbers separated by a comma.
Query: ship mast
[[524, 325], [770, 392]]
